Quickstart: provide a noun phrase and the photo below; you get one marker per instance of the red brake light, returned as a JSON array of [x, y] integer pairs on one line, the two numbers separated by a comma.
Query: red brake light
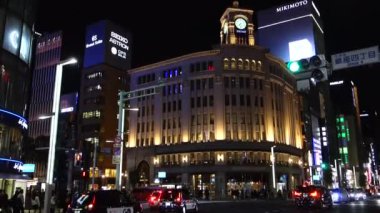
[[296, 194], [92, 204], [152, 198], [178, 199], [314, 194]]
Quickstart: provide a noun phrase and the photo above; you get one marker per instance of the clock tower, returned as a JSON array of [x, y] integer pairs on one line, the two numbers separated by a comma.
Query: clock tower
[[237, 26]]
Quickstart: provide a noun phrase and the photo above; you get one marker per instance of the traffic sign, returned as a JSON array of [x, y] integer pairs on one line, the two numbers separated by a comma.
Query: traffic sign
[[115, 159], [118, 139]]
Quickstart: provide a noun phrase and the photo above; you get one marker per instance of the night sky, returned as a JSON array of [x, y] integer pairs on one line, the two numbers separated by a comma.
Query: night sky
[[164, 29]]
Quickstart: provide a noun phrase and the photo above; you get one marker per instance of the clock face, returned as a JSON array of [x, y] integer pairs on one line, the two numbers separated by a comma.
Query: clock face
[[240, 23]]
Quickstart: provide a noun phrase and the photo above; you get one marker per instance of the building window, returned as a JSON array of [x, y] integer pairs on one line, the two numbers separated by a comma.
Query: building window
[[247, 64], [211, 100], [240, 64], [227, 100], [226, 64], [233, 64], [210, 83], [253, 65]]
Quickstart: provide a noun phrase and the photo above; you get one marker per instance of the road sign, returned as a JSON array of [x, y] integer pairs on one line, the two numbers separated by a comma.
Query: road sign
[[115, 159], [118, 139]]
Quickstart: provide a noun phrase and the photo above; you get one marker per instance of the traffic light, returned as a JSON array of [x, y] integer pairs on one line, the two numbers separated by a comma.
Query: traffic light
[[324, 166], [314, 68]]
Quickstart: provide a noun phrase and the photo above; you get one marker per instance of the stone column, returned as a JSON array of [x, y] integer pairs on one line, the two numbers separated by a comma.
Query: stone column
[[220, 185], [185, 179]]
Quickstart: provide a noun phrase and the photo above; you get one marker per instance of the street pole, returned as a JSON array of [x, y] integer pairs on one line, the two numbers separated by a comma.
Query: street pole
[[120, 133], [94, 165], [353, 167], [273, 169], [53, 131]]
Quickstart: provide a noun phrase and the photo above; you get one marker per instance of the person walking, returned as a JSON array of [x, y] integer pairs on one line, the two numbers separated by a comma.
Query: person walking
[[17, 201], [35, 202]]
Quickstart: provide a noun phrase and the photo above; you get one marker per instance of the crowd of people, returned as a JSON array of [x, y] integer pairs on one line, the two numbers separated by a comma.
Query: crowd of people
[[33, 201]]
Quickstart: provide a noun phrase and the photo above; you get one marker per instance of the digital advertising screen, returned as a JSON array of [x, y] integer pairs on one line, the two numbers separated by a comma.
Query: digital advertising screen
[[107, 43], [94, 44], [288, 30]]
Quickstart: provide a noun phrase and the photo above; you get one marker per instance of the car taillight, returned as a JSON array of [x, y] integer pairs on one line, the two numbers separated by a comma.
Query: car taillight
[[92, 204], [152, 199], [178, 199], [314, 194], [297, 194]]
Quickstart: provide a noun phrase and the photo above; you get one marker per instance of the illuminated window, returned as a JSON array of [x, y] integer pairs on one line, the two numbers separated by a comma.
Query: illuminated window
[[240, 64], [259, 65], [226, 64], [253, 65], [233, 64], [247, 64]]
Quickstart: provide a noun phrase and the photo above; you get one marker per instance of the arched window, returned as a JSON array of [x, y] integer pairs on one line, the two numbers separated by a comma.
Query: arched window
[[233, 64], [253, 65], [240, 64], [226, 64], [246, 64], [259, 65]]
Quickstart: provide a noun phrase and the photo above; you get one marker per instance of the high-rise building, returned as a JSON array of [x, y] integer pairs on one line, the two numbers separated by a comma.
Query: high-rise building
[[16, 38], [349, 145], [106, 61], [216, 118], [48, 55], [291, 31]]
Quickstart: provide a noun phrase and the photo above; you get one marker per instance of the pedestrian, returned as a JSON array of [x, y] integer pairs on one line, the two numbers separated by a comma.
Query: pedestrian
[[207, 194], [35, 202], [3, 201], [17, 201]]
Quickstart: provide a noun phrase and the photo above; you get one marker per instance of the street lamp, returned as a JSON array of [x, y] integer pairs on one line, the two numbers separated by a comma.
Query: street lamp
[[120, 136], [53, 130], [273, 171]]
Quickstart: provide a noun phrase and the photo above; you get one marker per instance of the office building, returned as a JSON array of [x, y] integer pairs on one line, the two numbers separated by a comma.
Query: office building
[[208, 120], [105, 65], [16, 38]]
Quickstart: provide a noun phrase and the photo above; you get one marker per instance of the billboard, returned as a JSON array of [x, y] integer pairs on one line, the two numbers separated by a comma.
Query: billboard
[[68, 102], [288, 30], [355, 58], [107, 43]]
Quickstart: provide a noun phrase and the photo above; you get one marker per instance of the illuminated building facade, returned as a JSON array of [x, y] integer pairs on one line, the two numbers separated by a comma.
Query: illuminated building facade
[[291, 31], [16, 33], [216, 118], [350, 145], [106, 61], [48, 55]]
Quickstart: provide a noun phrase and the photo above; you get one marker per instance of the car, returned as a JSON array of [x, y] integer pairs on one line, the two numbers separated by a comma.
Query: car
[[312, 196], [143, 194], [357, 194], [177, 200], [102, 201], [155, 198], [340, 195]]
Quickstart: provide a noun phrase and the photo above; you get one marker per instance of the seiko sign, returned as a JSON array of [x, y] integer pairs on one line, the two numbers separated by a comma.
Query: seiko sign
[[121, 42], [291, 6]]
